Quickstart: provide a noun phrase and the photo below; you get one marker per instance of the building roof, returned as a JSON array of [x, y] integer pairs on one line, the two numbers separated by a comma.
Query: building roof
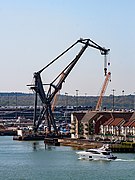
[[133, 124], [108, 122], [114, 118], [79, 115], [125, 115], [117, 122], [129, 123], [133, 116], [89, 115]]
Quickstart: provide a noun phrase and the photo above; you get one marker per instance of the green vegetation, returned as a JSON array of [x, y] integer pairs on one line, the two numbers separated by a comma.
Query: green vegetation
[[27, 99]]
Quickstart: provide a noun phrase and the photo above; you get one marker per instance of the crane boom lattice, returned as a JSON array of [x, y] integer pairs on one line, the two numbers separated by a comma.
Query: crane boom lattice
[[107, 79]]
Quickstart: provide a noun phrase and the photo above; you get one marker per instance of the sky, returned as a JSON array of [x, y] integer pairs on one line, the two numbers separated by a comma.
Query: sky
[[34, 32]]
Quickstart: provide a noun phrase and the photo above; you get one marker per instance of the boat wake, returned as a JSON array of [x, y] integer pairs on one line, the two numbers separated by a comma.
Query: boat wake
[[109, 160], [125, 160], [95, 159]]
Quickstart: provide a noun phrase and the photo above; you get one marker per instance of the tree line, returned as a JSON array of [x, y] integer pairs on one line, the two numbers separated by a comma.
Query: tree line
[[108, 102]]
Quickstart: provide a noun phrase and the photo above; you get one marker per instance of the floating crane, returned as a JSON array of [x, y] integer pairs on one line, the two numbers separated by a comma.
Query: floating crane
[[55, 98], [107, 79], [54, 87]]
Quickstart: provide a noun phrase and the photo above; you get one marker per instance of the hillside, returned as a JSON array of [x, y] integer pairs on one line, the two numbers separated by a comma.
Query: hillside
[[25, 99]]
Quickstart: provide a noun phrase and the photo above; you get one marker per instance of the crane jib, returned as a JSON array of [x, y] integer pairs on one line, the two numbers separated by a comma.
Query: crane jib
[[47, 97]]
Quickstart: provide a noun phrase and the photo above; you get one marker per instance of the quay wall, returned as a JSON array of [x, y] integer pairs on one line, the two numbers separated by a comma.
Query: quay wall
[[86, 144]]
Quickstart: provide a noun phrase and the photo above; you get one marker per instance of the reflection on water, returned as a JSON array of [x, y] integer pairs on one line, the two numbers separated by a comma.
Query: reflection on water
[[31, 161], [49, 147], [35, 146], [78, 148]]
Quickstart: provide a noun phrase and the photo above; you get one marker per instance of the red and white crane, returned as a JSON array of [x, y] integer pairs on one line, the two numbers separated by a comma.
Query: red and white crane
[[107, 79]]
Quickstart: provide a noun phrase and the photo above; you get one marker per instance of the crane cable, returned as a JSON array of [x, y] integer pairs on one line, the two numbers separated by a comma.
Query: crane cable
[[58, 57]]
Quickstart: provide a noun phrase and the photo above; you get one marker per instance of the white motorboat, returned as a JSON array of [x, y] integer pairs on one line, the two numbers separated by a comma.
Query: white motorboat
[[103, 153]]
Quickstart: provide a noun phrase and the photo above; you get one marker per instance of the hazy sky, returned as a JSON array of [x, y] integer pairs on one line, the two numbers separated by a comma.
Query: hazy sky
[[33, 32]]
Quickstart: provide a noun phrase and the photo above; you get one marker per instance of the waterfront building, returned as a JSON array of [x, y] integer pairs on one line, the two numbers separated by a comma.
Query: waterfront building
[[103, 124]]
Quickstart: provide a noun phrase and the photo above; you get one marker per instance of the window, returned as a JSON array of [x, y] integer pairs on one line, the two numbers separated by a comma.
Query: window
[[93, 152], [106, 153]]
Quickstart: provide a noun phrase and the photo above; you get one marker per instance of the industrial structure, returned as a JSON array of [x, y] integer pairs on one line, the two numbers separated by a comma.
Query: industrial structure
[[107, 79], [55, 86]]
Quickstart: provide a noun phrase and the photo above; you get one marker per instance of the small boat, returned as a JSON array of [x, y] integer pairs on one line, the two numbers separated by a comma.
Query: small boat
[[103, 153]]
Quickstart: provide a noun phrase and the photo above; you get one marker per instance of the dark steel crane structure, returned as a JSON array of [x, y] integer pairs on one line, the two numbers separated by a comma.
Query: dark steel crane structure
[[47, 97]]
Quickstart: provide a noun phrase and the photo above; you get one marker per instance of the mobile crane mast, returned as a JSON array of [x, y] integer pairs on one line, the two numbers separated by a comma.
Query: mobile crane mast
[[47, 97], [107, 78]]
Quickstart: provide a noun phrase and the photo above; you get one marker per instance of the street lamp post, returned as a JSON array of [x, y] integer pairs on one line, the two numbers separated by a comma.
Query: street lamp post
[[134, 101], [16, 99], [66, 94], [16, 103], [123, 98], [77, 91], [113, 98], [85, 98], [8, 99], [66, 104]]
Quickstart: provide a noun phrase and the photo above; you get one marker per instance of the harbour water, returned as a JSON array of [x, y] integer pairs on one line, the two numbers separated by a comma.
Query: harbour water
[[31, 161]]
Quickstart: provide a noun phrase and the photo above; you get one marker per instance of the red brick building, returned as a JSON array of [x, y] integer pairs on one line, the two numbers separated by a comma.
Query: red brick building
[[86, 124]]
